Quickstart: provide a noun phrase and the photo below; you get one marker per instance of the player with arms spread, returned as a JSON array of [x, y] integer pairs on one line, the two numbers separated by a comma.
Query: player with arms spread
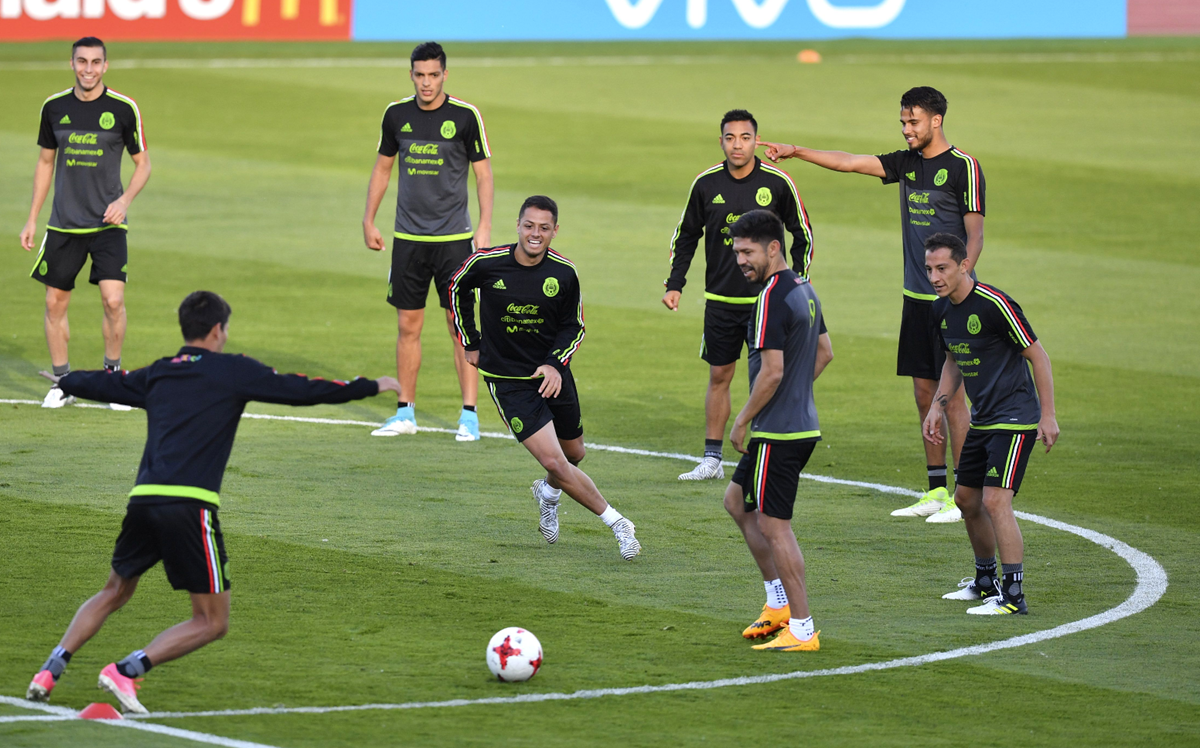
[[991, 348], [194, 402], [84, 131], [436, 137], [777, 429], [531, 315], [941, 190], [719, 195]]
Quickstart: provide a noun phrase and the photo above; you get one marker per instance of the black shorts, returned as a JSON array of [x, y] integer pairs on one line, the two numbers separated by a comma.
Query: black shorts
[[63, 255], [995, 458], [769, 475], [415, 264], [185, 535], [724, 332], [920, 353], [525, 411]]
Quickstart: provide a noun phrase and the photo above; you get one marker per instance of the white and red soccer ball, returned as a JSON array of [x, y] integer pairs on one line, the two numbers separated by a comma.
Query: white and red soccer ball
[[514, 654]]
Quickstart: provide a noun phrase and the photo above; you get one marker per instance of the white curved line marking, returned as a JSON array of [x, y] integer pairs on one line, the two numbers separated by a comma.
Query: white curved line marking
[[1151, 585]]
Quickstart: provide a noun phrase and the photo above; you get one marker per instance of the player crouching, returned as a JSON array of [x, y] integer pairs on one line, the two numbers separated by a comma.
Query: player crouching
[[787, 354], [194, 402], [991, 349], [531, 313]]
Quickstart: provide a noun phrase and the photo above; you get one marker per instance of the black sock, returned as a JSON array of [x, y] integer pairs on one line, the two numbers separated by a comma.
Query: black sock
[[712, 448], [61, 371], [469, 407], [1013, 584], [57, 662], [135, 665], [985, 574], [402, 404], [937, 476]]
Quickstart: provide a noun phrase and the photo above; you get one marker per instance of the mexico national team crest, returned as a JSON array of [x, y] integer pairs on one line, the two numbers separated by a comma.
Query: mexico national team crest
[[550, 287], [516, 425], [973, 324], [448, 129], [107, 120], [940, 178], [763, 196]]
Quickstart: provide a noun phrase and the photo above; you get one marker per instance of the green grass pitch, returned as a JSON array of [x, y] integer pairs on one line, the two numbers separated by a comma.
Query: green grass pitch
[[373, 571]]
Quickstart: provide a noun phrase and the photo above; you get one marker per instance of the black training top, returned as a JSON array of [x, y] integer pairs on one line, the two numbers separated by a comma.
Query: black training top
[[89, 137], [986, 333], [715, 201], [530, 315], [194, 401], [935, 194]]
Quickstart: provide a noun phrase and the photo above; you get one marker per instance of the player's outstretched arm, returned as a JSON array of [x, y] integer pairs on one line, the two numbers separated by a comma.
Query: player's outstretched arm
[[43, 175], [256, 381], [1043, 379], [118, 209], [388, 384], [377, 186], [948, 385], [833, 160], [126, 388]]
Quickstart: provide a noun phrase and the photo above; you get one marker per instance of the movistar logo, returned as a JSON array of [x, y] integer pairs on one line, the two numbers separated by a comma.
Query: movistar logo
[[499, 284], [993, 473], [407, 128], [428, 149], [912, 176], [66, 120], [83, 138], [718, 200]]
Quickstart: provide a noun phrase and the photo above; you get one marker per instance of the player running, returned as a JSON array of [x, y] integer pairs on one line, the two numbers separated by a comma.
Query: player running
[[777, 429], [83, 132], [193, 401], [941, 190], [991, 349], [719, 195], [436, 137], [531, 313]]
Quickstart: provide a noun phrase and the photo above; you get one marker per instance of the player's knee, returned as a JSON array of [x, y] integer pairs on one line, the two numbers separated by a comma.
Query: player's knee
[[576, 455], [113, 305], [997, 501], [218, 628], [558, 467]]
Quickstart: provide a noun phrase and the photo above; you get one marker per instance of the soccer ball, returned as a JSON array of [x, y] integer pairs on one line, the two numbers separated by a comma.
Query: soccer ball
[[514, 654]]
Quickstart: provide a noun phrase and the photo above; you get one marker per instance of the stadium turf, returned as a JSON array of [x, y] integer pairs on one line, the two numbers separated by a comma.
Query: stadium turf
[[373, 571]]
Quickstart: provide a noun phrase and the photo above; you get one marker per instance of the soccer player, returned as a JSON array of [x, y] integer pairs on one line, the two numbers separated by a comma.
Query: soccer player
[[941, 190], [777, 428], [531, 315], [991, 348], [194, 401], [83, 132], [436, 136], [718, 196]]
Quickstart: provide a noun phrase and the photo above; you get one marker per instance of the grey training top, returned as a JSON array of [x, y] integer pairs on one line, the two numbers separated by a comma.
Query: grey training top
[[787, 317]]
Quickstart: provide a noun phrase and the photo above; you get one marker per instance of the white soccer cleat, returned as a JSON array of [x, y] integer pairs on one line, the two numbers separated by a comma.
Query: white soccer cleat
[[56, 398], [709, 468], [548, 522], [948, 513], [629, 544], [968, 591], [928, 504], [999, 605], [120, 406], [401, 423]]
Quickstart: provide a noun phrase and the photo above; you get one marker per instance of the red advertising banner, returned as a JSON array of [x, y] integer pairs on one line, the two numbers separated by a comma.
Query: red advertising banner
[[175, 19]]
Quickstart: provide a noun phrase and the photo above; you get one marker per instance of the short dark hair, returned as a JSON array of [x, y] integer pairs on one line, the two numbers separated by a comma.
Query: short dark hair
[[738, 115], [89, 41], [199, 312], [428, 51], [541, 202], [940, 240], [759, 226], [929, 99]]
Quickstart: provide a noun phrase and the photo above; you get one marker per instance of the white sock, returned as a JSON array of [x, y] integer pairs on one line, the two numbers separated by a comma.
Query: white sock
[[801, 628], [611, 516], [550, 493], [776, 597]]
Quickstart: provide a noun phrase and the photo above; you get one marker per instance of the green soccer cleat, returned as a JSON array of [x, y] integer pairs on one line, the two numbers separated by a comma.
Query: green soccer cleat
[[928, 504]]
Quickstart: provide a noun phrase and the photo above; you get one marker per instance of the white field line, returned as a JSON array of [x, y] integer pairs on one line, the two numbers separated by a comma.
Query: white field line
[[1023, 58]]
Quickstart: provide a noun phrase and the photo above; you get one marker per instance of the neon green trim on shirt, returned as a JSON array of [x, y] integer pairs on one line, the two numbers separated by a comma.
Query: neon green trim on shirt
[[446, 238], [1005, 427], [183, 492], [785, 437], [501, 376], [89, 231], [921, 296], [731, 299]]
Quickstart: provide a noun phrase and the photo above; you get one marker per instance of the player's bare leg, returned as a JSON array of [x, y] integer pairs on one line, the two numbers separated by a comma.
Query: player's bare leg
[[775, 611], [112, 296], [58, 331], [468, 383], [546, 448], [716, 415], [408, 351], [209, 622], [979, 523], [91, 615], [785, 553]]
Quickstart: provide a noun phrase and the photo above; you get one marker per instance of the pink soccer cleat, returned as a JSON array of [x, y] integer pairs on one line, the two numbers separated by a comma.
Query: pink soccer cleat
[[125, 689], [40, 687]]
